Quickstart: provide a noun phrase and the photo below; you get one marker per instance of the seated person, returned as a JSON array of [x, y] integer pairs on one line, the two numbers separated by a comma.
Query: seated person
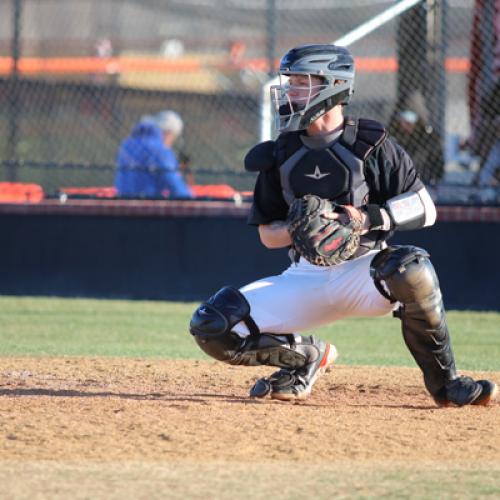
[[411, 129], [147, 166]]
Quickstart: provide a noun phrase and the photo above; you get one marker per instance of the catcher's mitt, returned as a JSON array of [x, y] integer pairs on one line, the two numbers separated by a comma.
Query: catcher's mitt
[[321, 240]]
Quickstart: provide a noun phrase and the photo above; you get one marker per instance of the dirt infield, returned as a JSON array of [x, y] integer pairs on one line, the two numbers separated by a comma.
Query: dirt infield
[[73, 409]]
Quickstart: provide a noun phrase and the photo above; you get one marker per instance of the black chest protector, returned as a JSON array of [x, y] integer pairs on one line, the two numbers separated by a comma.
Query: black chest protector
[[334, 172]]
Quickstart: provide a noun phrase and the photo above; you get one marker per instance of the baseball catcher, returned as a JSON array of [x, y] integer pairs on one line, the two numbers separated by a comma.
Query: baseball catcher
[[333, 189]]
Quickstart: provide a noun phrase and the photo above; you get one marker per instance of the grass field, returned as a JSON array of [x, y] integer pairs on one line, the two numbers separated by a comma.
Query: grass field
[[54, 329], [82, 327]]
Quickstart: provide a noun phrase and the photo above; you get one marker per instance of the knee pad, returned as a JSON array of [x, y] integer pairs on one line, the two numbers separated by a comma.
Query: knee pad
[[409, 277], [212, 327], [213, 321]]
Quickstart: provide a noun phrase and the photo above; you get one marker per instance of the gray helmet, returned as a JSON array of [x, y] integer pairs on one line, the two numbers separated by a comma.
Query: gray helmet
[[335, 67]]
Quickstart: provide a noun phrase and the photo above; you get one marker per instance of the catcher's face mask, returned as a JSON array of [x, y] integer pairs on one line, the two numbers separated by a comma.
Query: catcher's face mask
[[313, 79], [293, 97]]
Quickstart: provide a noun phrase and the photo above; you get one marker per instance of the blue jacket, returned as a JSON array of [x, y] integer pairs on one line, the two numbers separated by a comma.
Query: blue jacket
[[146, 167]]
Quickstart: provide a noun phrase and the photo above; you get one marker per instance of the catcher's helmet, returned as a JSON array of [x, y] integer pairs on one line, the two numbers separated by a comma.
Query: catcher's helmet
[[333, 65]]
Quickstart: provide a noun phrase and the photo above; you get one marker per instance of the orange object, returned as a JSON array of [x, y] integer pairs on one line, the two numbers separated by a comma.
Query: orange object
[[213, 191], [224, 191], [74, 65], [20, 192], [97, 192]]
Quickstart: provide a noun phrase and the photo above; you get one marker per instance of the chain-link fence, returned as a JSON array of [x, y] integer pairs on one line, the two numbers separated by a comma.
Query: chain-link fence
[[76, 75]]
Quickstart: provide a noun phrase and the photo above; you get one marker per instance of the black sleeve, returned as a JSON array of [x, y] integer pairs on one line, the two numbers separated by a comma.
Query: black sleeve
[[390, 172], [268, 202]]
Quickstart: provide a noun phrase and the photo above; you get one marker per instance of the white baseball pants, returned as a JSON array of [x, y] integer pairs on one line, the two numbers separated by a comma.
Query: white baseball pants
[[306, 296]]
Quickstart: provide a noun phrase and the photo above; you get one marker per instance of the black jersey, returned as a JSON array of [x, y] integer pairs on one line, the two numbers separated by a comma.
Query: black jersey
[[388, 171]]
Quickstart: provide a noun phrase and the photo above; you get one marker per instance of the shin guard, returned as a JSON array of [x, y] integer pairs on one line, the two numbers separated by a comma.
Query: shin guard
[[410, 279]]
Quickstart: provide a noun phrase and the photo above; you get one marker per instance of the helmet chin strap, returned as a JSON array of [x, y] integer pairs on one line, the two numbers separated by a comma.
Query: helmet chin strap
[[321, 108]]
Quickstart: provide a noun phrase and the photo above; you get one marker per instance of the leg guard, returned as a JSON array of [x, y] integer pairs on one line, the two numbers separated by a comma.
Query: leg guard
[[409, 278], [212, 324]]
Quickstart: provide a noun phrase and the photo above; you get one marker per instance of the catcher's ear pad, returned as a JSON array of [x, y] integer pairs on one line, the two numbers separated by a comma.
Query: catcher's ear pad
[[260, 157]]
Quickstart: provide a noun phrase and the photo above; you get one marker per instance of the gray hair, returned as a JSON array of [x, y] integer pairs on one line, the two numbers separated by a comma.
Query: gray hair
[[168, 121]]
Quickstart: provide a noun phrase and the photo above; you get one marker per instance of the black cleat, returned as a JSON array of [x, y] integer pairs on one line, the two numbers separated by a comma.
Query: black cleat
[[264, 386], [297, 384], [466, 391], [289, 385]]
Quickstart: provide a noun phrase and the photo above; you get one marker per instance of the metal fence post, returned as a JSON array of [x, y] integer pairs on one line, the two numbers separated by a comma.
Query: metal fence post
[[12, 173], [272, 23], [437, 44], [411, 52]]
